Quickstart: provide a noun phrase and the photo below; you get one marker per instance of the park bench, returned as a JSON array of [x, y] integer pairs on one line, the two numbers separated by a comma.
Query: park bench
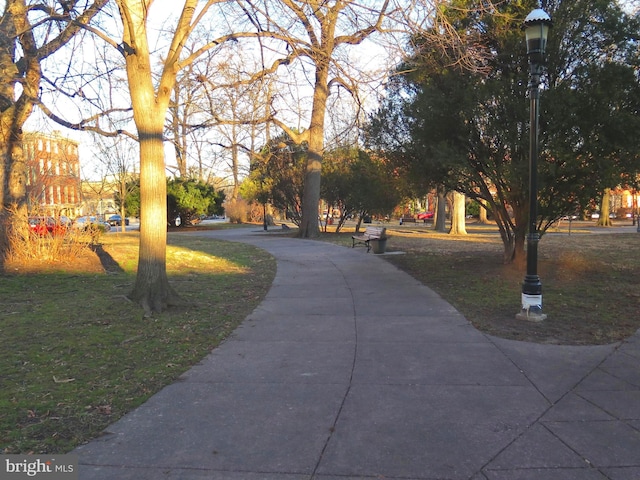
[[370, 233], [407, 220]]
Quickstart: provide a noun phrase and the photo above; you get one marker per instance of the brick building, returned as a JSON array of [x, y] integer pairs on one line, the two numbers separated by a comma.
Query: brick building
[[53, 174]]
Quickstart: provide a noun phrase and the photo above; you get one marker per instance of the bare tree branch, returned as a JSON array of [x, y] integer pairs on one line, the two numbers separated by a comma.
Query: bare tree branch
[[89, 124]]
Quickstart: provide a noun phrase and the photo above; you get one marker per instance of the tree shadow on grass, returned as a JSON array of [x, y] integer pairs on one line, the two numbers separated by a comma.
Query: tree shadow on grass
[[108, 262]]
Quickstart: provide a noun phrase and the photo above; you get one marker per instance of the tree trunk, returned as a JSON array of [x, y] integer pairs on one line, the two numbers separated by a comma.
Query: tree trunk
[[311, 194], [519, 230], [13, 115], [151, 289], [14, 227], [439, 223], [482, 213], [458, 215], [604, 220], [235, 163]]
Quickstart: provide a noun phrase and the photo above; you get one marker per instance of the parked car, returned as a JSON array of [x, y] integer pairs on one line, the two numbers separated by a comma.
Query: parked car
[[88, 221], [425, 216], [116, 221], [47, 226], [596, 215]]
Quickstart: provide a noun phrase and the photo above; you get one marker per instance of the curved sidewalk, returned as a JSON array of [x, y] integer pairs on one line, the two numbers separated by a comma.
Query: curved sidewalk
[[351, 369]]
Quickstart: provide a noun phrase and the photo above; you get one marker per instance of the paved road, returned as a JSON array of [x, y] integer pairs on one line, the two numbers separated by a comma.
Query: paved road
[[350, 369]]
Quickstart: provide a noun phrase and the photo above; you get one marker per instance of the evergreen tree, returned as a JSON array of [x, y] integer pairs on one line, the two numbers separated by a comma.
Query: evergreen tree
[[469, 131]]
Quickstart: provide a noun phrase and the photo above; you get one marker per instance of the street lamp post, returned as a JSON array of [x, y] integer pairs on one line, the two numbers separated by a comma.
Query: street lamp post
[[536, 27]]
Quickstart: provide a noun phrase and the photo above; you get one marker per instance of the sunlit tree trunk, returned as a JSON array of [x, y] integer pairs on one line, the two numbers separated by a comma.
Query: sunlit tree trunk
[[482, 213], [311, 198], [23, 46], [151, 289], [604, 220], [13, 115], [458, 218]]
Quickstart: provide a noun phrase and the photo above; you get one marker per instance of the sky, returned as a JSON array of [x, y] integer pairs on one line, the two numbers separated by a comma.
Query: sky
[[369, 55]]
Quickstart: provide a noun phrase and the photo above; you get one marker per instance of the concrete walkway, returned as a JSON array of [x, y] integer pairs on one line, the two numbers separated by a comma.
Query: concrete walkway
[[351, 369]]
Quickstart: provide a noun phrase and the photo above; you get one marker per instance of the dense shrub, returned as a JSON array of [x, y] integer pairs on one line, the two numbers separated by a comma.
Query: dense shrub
[[237, 211]]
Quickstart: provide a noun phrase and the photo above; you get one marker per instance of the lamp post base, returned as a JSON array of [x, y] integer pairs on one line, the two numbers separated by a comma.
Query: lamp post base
[[531, 308], [531, 316]]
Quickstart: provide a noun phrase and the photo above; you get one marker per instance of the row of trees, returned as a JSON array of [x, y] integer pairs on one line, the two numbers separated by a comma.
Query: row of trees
[[300, 37], [467, 131], [467, 63], [353, 182]]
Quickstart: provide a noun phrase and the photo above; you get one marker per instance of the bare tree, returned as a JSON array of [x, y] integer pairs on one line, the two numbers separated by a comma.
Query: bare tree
[[30, 33], [237, 108], [151, 74], [318, 35], [150, 101], [116, 156]]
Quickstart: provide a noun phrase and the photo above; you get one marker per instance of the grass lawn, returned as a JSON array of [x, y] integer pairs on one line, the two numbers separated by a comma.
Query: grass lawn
[[76, 354], [590, 281]]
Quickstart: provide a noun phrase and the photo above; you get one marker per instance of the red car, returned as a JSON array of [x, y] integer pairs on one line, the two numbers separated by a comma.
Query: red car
[[46, 226], [425, 216]]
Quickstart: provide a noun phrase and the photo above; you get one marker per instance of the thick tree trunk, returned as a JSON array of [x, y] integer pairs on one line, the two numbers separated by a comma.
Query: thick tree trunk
[[13, 214], [482, 213], [311, 195], [151, 289], [519, 230], [604, 220], [458, 217], [439, 224], [13, 115]]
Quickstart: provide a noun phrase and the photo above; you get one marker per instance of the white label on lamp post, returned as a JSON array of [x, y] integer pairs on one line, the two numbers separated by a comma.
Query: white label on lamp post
[[529, 301]]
